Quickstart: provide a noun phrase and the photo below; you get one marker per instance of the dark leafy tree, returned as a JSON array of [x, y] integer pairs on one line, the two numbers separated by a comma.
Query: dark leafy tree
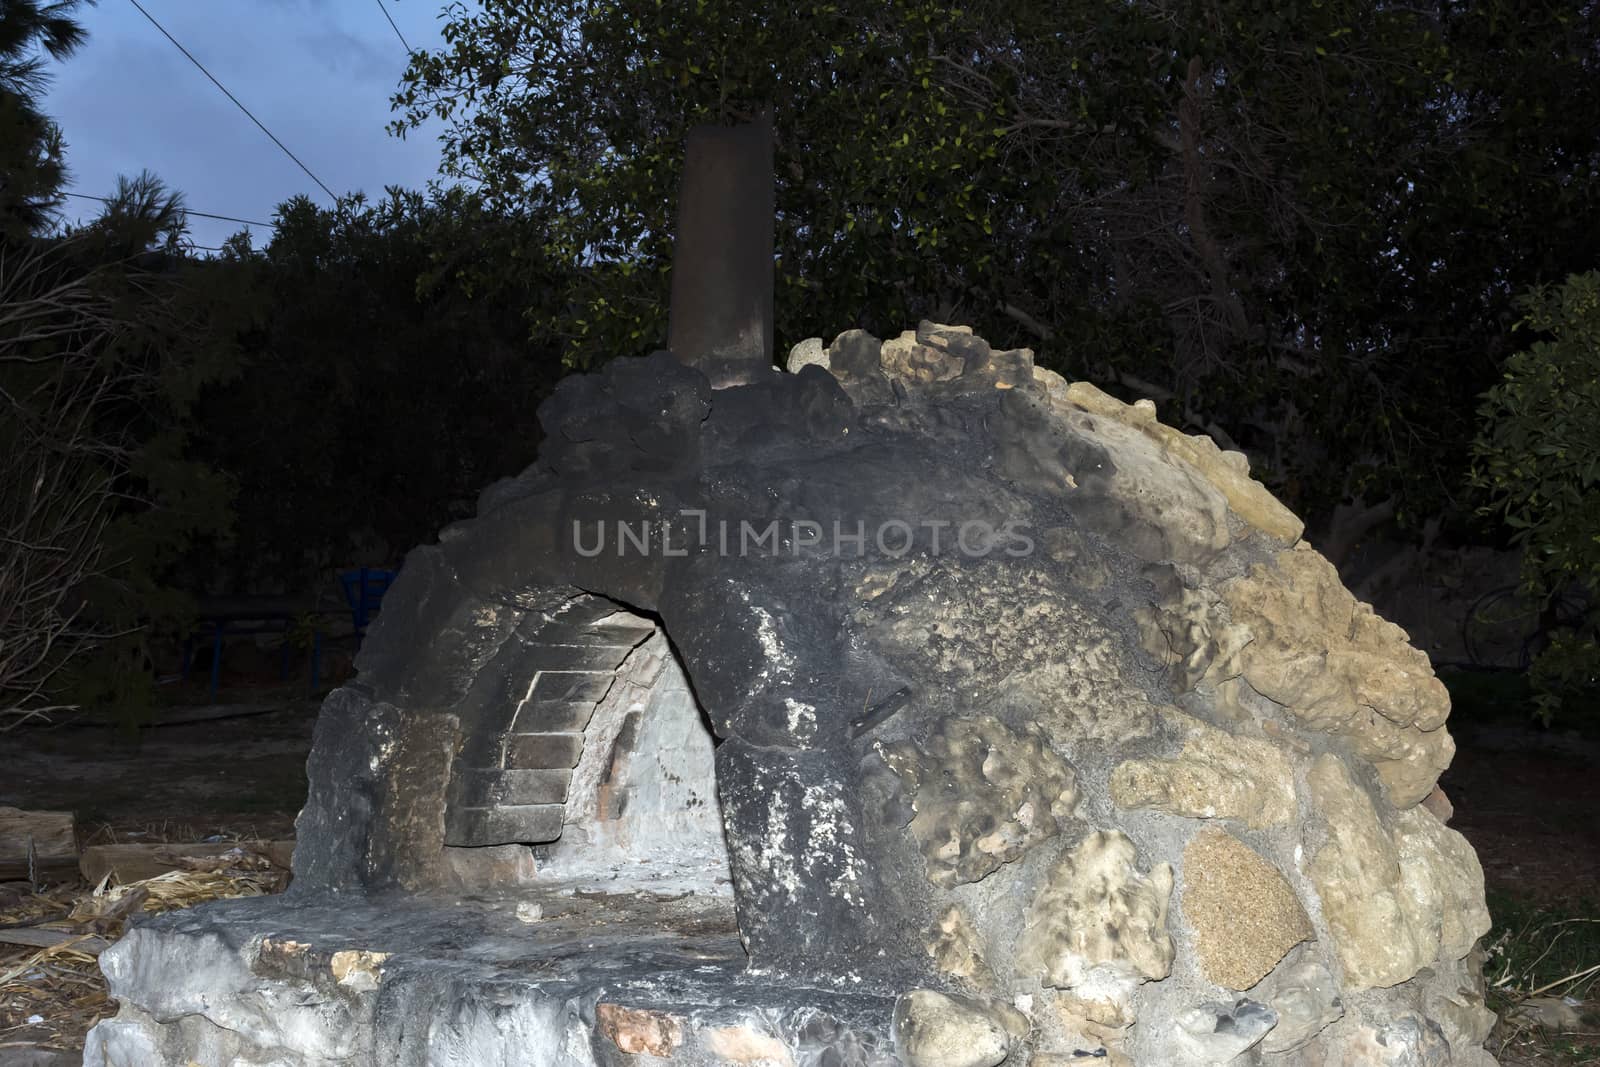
[[103, 343], [1299, 228], [390, 375], [1537, 461], [31, 164]]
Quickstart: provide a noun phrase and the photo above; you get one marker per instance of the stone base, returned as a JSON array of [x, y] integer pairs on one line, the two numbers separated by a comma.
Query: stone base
[[553, 976]]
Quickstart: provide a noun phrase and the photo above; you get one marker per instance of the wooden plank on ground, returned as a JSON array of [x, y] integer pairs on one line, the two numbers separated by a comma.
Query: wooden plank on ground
[[136, 862], [42, 845], [42, 937]]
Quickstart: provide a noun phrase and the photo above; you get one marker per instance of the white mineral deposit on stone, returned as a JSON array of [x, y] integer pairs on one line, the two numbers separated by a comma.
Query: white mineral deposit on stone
[[802, 718]]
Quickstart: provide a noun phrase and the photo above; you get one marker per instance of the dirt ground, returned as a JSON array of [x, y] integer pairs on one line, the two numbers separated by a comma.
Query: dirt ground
[[1530, 804], [1527, 801], [243, 775]]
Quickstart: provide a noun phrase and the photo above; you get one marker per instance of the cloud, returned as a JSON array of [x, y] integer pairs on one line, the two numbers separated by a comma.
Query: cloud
[[319, 74], [346, 54]]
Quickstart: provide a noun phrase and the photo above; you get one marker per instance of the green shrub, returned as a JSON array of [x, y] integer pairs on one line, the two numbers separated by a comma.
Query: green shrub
[[1537, 458]]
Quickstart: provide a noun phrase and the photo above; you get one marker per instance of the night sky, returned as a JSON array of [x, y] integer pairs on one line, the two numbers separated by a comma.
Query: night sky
[[318, 73]]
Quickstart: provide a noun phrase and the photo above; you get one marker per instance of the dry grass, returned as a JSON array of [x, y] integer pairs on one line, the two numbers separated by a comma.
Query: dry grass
[[50, 997], [1550, 953]]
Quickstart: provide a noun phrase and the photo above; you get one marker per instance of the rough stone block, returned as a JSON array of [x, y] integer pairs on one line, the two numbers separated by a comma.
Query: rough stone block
[[553, 716], [528, 824], [496, 788], [543, 750], [577, 657], [556, 686]]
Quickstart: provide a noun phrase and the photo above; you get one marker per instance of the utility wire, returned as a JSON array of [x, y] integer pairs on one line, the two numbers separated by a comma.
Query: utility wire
[[235, 99], [385, 9], [186, 211]]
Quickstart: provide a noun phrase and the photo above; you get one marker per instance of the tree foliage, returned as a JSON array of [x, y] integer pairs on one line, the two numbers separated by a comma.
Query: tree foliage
[[384, 380], [1298, 227], [31, 164], [58, 482], [105, 342], [1537, 458]]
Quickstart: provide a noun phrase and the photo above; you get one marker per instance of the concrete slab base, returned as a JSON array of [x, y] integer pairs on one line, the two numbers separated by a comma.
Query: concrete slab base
[[553, 976]]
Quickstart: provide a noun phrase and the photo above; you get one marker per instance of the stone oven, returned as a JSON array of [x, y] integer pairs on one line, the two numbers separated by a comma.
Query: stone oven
[[912, 707]]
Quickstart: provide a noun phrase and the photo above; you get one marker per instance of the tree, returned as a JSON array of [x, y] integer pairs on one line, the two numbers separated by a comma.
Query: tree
[[31, 164], [1537, 460], [1298, 229], [575, 115], [58, 484], [387, 375], [103, 345]]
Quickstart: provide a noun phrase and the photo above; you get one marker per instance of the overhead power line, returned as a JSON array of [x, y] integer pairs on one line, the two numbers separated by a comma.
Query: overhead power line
[[186, 211], [235, 99], [385, 9]]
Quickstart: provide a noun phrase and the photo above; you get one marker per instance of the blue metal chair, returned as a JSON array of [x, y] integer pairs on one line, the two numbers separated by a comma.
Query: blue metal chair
[[221, 617], [363, 591]]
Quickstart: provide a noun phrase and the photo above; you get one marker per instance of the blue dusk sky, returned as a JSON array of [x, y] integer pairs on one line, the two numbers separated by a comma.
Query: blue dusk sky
[[318, 73]]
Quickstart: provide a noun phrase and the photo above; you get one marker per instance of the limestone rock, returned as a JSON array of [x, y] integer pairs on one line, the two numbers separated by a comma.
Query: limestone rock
[[1059, 660], [1306, 998], [1442, 883], [1079, 1057], [1241, 911], [854, 360], [1295, 635], [966, 356], [1212, 1034], [1114, 480], [1229, 472], [1394, 898], [956, 948], [1068, 547], [934, 1030], [640, 1032], [1340, 669], [1101, 1019], [1094, 1027], [1438, 804], [1216, 775], [1055, 386], [748, 1045], [855, 353], [940, 334], [982, 794], [1098, 916], [908, 359], [1163, 510], [1188, 632], [1454, 999], [806, 353], [1011, 369], [1406, 1041]]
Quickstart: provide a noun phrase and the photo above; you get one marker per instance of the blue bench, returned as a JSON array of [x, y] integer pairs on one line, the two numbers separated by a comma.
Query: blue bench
[[223, 617]]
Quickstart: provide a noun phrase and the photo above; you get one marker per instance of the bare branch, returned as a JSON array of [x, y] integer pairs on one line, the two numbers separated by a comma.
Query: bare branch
[[57, 488]]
